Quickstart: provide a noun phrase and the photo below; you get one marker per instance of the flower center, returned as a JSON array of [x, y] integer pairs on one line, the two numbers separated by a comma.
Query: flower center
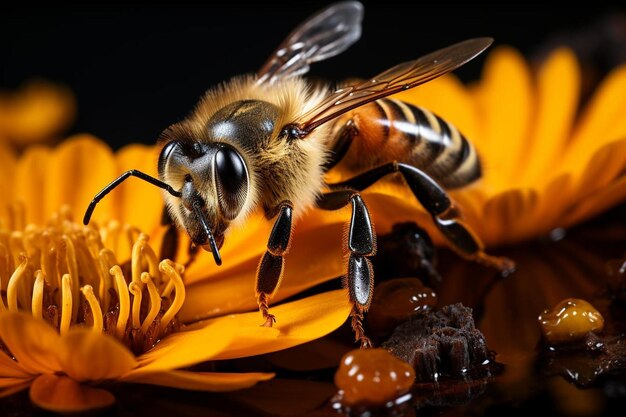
[[64, 274]]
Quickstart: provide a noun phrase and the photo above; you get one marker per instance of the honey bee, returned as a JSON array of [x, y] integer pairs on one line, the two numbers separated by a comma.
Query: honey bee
[[265, 141]]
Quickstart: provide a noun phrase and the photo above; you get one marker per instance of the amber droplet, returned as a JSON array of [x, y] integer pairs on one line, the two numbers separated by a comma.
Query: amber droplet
[[372, 377], [395, 301], [570, 320]]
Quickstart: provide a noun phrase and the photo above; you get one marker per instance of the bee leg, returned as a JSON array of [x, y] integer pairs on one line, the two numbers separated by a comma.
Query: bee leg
[[270, 270], [436, 201], [361, 243]]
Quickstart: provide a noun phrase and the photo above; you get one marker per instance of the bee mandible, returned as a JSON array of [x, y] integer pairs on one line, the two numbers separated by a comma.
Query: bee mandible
[[266, 141]]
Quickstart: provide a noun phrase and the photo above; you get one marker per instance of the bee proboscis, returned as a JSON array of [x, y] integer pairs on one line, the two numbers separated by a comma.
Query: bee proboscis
[[267, 140]]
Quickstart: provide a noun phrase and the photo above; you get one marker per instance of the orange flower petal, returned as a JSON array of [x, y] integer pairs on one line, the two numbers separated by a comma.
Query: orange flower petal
[[315, 256], [603, 120], [86, 355], [297, 322], [10, 368], [18, 386], [36, 112], [77, 171], [514, 210], [64, 395], [203, 381], [33, 342], [31, 172], [185, 348], [10, 382], [505, 103], [140, 203], [8, 164], [558, 89]]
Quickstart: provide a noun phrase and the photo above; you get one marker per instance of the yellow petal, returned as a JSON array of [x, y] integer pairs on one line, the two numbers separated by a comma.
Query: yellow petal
[[243, 243], [77, 171], [505, 103], [31, 173], [558, 89], [33, 342], [64, 395], [141, 203], [297, 322], [9, 368], [185, 348], [603, 167], [203, 381], [315, 256], [89, 356], [603, 120]]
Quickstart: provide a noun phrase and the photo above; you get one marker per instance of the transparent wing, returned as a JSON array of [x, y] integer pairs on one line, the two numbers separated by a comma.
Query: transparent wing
[[401, 77], [324, 35]]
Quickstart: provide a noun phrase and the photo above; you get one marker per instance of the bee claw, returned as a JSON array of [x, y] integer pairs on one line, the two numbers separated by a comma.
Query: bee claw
[[270, 319]]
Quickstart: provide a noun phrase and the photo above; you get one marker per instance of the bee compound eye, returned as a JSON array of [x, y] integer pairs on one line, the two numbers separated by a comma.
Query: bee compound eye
[[231, 180]]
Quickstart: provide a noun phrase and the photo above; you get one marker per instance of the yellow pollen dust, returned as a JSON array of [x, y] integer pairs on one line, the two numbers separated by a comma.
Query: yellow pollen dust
[[65, 274]]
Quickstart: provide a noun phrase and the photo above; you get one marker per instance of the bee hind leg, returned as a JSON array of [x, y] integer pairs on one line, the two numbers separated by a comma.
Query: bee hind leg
[[361, 244], [436, 201], [270, 271]]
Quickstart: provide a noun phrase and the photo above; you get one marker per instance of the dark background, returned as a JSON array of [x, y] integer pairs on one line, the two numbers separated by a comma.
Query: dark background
[[136, 69]]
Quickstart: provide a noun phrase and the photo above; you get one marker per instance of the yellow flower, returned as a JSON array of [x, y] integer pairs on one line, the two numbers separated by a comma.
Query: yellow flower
[[83, 307], [37, 112], [547, 162]]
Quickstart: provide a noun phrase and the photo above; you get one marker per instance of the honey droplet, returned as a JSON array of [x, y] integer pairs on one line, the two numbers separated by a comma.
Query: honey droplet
[[395, 301], [570, 320], [372, 377]]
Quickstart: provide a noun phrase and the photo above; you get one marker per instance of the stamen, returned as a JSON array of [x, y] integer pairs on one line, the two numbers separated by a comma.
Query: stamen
[[155, 302], [13, 286], [66, 304], [106, 260], [72, 268], [124, 300], [37, 304], [136, 290], [96, 312], [44, 271], [136, 258], [169, 269]]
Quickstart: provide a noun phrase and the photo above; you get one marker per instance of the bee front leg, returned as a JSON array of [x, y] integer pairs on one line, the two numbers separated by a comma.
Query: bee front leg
[[361, 244], [270, 270]]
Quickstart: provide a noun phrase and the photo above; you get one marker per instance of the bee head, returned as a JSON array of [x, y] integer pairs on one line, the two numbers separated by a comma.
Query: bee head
[[214, 184]]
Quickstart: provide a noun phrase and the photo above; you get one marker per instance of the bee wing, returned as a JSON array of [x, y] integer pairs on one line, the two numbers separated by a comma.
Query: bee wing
[[401, 77], [324, 35]]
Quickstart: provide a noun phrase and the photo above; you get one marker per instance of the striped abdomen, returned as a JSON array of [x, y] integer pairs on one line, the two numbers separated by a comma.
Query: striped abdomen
[[389, 129]]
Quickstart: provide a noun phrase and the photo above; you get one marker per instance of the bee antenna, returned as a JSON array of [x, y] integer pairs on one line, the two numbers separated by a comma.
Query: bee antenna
[[132, 173], [214, 250]]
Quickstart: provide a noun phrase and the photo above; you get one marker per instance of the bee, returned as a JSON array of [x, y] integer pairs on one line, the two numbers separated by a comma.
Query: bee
[[266, 141]]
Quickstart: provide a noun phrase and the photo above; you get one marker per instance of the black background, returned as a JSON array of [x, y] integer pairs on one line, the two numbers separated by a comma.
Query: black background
[[136, 69]]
